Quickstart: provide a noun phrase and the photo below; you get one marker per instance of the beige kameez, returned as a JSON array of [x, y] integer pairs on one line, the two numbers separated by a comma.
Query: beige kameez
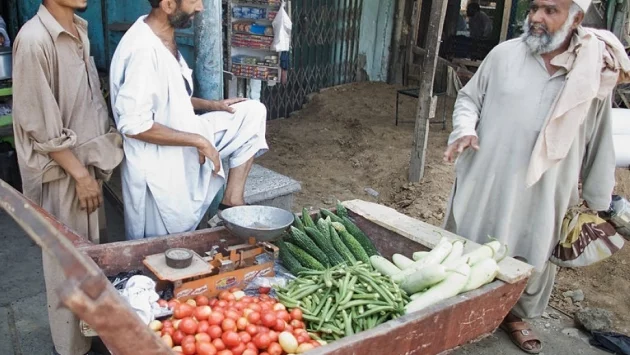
[[58, 105]]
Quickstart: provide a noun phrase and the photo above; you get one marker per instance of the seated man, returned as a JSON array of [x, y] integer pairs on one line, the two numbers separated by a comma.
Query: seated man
[[4, 35], [479, 23], [172, 170]]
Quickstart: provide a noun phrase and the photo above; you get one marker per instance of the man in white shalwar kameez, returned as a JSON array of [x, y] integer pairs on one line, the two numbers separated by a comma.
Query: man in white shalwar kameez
[[172, 169], [537, 117]]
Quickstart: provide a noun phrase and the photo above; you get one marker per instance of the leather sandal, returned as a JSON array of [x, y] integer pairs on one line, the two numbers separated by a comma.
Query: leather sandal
[[520, 332]]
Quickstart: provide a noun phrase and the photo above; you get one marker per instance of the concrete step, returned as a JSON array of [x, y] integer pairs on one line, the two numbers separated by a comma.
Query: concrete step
[[263, 187]]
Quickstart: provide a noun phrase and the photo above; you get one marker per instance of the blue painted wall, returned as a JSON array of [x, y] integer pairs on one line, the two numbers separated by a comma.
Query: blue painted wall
[[377, 23]]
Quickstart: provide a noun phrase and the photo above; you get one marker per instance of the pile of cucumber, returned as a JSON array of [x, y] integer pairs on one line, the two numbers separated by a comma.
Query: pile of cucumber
[[326, 241]]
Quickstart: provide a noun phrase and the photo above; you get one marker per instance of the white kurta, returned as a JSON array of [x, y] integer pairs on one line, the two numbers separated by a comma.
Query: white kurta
[[165, 189], [506, 105]]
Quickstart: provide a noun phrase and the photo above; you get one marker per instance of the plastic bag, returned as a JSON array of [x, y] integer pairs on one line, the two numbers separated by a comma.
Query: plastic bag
[[282, 26], [282, 278], [139, 292]]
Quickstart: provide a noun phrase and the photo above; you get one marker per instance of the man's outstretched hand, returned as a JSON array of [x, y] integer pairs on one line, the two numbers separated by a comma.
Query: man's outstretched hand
[[453, 150]]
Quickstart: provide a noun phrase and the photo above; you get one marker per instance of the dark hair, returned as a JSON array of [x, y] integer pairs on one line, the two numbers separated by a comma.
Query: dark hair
[[473, 6], [156, 3]]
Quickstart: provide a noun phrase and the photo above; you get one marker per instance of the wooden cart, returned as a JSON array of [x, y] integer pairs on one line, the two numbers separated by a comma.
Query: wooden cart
[[442, 327]]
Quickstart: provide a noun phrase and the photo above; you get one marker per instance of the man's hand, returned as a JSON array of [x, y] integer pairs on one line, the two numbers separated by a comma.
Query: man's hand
[[90, 193], [225, 105], [459, 146], [208, 150]]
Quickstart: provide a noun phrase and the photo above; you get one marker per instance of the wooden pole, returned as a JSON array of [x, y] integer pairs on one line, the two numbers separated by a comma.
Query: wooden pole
[[421, 132]]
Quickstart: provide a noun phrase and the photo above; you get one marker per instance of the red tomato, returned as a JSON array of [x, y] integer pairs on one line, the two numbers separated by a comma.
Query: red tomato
[[264, 306], [172, 304], [280, 325], [273, 335], [263, 290], [296, 314], [218, 343], [251, 329], [262, 341], [203, 326], [167, 324], [226, 296], [264, 297], [202, 338], [274, 349], [242, 323], [254, 318], [202, 300], [239, 349], [297, 324], [279, 307], [183, 310], [204, 348], [189, 348], [252, 346], [213, 302], [178, 336], [202, 312], [222, 304], [298, 332], [255, 307], [168, 330], [215, 331], [303, 339], [263, 329], [228, 324], [234, 289], [232, 315], [288, 328], [189, 339], [250, 352], [230, 339], [264, 353], [245, 337], [162, 303], [225, 352], [268, 319], [216, 318], [284, 315], [188, 326], [247, 299]]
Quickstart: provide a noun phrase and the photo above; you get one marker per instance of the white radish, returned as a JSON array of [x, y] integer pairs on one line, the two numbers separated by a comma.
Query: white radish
[[449, 287], [456, 252], [423, 278], [483, 252], [435, 256], [383, 265], [419, 255], [417, 295], [481, 273], [401, 261]]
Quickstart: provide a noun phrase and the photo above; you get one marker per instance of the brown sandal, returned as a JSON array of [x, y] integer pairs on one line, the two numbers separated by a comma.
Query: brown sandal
[[520, 332]]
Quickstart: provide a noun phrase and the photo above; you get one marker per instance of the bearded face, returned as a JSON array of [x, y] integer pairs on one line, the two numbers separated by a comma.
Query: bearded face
[[540, 38]]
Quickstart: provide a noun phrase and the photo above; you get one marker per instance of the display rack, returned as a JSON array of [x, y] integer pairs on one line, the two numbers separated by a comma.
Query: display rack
[[248, 35]]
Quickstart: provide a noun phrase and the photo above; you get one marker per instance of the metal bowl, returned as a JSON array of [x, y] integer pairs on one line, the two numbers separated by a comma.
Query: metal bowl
[[264, 223]]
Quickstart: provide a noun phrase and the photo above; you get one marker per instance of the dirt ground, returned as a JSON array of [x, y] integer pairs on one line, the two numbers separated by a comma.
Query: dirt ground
[[344, 143]]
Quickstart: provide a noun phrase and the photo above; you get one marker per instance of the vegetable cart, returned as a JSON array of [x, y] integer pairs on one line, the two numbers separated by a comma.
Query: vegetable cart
[[444, 326]]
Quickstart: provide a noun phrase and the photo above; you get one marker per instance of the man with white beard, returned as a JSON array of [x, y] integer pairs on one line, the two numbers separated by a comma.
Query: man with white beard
[[537, 117]]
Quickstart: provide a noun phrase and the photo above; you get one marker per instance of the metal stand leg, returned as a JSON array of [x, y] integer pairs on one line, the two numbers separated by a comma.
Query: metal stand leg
[[397, 95]]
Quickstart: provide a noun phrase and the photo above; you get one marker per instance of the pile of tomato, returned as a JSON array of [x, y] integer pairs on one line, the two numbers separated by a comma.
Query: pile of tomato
[[234, 324]]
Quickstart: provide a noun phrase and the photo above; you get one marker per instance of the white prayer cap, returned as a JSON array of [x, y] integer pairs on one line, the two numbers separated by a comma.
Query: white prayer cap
[[583, 4]]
